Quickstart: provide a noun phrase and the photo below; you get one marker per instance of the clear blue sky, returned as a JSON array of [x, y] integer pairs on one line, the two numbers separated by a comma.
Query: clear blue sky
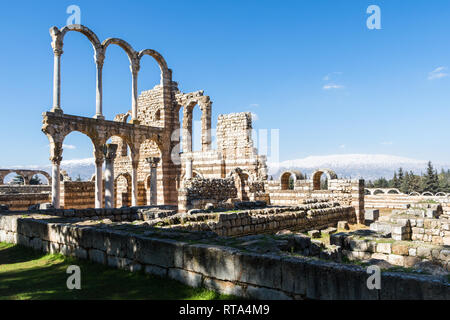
[[309, 68]]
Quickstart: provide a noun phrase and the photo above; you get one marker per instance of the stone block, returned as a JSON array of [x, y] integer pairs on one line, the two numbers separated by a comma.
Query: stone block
[[410, 261], [120, 263], [155, 270], [395, 259], [223, 287], [384, 248], [400, 249], [189, 278], [212, 261], [424, 252], [97, 256], [258, 269], [161, 252], [260, 293], [343, 225]]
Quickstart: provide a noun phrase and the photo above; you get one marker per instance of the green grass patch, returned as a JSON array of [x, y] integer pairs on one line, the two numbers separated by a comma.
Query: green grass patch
[[29, 274]]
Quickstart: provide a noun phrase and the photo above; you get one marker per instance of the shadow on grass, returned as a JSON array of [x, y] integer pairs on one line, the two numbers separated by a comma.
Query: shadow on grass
[[10, 254], [38, 276]]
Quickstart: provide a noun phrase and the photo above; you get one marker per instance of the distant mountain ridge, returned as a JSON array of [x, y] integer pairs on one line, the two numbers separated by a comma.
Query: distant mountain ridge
[[366, 166]]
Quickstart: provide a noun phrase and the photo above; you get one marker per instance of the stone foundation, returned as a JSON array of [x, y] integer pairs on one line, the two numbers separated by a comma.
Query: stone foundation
[[204, 263]]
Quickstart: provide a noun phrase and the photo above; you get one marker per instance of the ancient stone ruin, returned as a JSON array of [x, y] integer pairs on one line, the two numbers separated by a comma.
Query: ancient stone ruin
[[212, 217]]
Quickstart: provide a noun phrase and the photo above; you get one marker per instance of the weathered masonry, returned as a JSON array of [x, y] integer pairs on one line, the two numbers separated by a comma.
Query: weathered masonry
[[152, 133], [222, 264]]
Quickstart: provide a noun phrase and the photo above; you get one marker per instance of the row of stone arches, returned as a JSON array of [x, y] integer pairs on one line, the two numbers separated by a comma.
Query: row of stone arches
[[319, 178], [377, 191], [26, 176], [99, 57], [429, 194]]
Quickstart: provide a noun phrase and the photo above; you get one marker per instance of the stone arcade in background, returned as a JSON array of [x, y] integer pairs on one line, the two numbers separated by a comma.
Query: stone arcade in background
[[152, 132], [211, 217]]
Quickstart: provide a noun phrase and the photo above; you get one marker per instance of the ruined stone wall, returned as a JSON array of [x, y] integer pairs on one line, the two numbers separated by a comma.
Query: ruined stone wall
[[271, 220], [235, 144], [10, 189], [346, 192], [401, 253], [198, 192], [401, 201], [22, 197], [22, 201], [224, 269], [78, 194]]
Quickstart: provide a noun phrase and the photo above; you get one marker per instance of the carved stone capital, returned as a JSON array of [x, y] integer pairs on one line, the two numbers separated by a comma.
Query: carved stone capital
[[57, 42], [135, 66], [153, 161], [110, 151], [99, 57]]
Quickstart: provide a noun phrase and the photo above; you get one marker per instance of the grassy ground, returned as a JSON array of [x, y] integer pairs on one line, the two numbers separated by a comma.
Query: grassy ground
[[29, 274]]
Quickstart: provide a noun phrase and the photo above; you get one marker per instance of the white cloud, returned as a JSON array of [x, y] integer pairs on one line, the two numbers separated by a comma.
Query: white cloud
[[331, 75], [254, 116], [332, 86], [342, 146], [69, 146], [254, 105], [438, 73]]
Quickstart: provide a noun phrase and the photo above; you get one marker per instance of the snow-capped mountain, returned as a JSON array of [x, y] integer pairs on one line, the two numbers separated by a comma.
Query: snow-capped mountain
[[84, 168], [367, 166]]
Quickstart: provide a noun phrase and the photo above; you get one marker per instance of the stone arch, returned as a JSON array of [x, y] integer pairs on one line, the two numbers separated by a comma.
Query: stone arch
[[367, 192], [16, 174], [39, 176], [427, 194], [122, 187], [393, 191], [286, 176], [165, 71], [241, 180], [188, 102], [318, 174], [378, 191], [441, 194], [81, 29], [131, 53], [414, 193]]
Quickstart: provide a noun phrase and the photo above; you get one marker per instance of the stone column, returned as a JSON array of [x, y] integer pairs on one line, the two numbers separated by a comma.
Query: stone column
[[99, 59], [26, 180], [98, 181], [206, 126], [188, 173], [57, 51], [134, 67], [153, 161], [187, 130], [110, 154], [134, 187], [55, 158]]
